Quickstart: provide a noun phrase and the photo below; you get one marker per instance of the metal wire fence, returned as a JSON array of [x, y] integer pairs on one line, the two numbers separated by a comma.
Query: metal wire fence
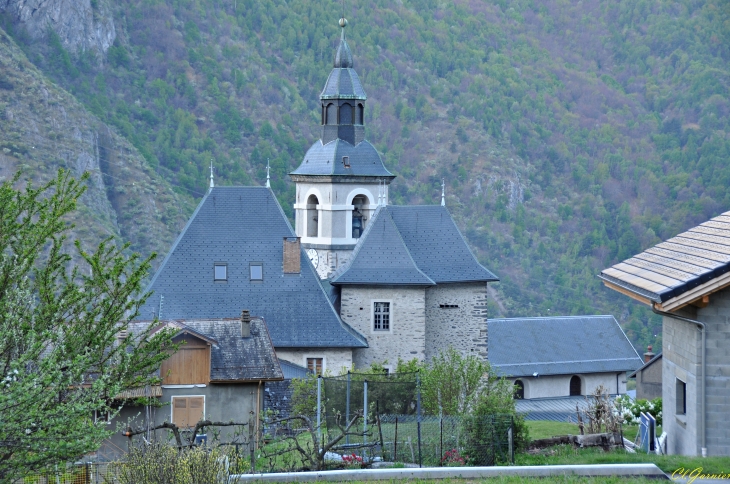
[[78, 473]]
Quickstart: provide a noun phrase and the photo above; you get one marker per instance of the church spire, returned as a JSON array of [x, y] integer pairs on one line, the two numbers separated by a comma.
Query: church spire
[[212, 185], [343, 56], [268, 177]]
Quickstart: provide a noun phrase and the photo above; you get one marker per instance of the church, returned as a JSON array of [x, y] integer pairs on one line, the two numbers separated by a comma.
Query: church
[[356, 281]]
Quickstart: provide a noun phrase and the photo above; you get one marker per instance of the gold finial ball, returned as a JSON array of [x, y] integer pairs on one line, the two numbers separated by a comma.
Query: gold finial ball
[[343, 22]]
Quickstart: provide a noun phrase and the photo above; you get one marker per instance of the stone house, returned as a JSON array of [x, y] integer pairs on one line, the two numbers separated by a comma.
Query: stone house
[[563, 356], [239, 251], [219, 373], [649, 377], [686, 280]]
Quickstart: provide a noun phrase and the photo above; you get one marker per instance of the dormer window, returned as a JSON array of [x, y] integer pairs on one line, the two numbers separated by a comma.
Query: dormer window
[[220, 272], [256, 269]]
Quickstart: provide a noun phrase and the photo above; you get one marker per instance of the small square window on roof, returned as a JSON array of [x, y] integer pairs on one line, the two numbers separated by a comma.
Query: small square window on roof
[[220, 271], [256, 269]]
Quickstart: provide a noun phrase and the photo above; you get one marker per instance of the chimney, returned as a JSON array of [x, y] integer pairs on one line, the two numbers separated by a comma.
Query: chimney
[[648, 355], [292, 255], [245, 323]]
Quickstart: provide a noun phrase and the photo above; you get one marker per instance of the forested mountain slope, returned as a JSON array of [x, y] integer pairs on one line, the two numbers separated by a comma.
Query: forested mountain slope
[[570, 134]]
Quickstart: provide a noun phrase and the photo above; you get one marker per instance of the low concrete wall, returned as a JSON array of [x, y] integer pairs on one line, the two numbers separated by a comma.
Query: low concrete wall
[[600, 470]]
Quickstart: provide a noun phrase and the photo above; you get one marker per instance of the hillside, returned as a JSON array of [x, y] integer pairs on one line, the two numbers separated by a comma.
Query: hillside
[[44, 128], [570, 135]]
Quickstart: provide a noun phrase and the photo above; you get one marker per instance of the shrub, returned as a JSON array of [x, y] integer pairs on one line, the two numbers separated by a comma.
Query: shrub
[[163, 464], [631, 409]]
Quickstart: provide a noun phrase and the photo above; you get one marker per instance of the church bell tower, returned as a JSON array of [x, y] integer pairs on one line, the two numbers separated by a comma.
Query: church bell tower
[[342, 179]]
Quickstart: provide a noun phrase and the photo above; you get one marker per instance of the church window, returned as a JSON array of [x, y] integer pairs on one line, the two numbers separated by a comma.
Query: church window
[[346, 114], [575, 386], [381, 316], [257, 271], [331, 115], [220, 272], [359, 204], [315, 365], [312, 217], [359, 115]]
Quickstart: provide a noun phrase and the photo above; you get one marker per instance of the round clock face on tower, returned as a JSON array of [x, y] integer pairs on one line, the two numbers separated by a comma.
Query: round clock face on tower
[[313, 257]]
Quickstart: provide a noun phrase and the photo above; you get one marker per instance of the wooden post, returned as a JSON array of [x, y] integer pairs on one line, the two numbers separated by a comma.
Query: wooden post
[[395, 441]]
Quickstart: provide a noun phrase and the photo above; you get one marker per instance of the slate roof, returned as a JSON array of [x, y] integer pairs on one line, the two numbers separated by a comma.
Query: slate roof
[[557, 409], [343, 56], [677, 265], [232, 357], [412, 245], [382, 257], [291, 370], [240, 225], [561, 345], [343, 83], [326, 159]]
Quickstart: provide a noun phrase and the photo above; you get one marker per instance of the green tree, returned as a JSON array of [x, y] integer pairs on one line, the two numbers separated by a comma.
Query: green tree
[[64, 349]]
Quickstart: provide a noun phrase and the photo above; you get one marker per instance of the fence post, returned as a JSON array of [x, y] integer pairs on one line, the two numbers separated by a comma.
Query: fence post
[[347, 407], [441, 440], [319, 409], [418, 410], [510, 439], [395, 441], [365, 412], [251, 448]]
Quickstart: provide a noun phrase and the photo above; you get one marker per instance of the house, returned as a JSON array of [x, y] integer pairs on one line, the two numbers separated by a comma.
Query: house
[[563, 356], [238, 250], [219, 373], [686, 280], [649, 377], [413, 287]]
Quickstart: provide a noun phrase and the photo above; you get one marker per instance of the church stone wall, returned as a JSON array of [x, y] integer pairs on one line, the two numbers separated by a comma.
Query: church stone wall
[[405, 340], [456, 316]]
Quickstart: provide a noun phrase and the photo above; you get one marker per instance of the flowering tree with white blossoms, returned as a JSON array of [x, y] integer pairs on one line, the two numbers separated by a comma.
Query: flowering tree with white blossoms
[[61, 358]]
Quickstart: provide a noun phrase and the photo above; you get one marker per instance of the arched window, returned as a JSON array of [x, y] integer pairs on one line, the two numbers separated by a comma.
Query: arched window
[[359, 204], [331, 115], [575, 386], [312, 217], [360, 114], [519, 390], [346, 114]]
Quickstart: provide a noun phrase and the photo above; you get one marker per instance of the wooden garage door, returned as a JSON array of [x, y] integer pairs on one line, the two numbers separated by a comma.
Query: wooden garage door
[[187, 411]]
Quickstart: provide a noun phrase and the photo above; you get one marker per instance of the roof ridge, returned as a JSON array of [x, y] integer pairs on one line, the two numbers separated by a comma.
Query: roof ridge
[[556, 317], [408, 251]]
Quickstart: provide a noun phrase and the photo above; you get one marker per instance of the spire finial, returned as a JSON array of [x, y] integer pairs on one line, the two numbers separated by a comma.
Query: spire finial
[[343, 56], [268, 177], [443, 192], [212, 185]]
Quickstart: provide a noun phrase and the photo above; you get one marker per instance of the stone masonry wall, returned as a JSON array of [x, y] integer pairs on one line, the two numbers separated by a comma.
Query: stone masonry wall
[[717, 318], [463, 327], [406, 338]]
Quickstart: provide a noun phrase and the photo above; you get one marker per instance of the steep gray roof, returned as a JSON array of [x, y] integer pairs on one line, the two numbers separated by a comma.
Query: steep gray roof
[[232, 358], [291, 370], [561, 345], [414, 245], [238, 226], [677, 265], [558, 409], [326, 159], [381, 257], [343, 83]]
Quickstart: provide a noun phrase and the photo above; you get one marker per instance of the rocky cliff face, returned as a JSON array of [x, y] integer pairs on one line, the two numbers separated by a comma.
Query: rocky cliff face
[[82, 25], [43, 128]]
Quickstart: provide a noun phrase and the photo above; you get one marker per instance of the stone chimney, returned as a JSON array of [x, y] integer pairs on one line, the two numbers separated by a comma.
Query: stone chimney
[[245, 323], [292, 255], [648, 355]]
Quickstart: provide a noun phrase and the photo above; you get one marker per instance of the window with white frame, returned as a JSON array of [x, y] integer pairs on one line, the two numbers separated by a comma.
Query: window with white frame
[[381, 316], [315, 365], [220, 272]]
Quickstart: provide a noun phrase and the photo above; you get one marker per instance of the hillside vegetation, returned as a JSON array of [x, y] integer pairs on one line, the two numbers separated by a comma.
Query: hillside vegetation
[[570, 134]]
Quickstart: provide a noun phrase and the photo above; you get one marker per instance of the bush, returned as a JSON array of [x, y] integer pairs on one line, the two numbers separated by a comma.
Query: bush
[[631, 409], [163, 464]]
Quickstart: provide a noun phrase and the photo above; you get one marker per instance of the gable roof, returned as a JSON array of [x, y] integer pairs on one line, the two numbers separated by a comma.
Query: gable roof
[[382, 256], [678, 271], [240, 225], [646, 365], [418, 245], [561, 345], [232, 357]]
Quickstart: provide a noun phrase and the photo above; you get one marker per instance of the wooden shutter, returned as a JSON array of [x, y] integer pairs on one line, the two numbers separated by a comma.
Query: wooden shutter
[[187, 411], [190, 365]]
